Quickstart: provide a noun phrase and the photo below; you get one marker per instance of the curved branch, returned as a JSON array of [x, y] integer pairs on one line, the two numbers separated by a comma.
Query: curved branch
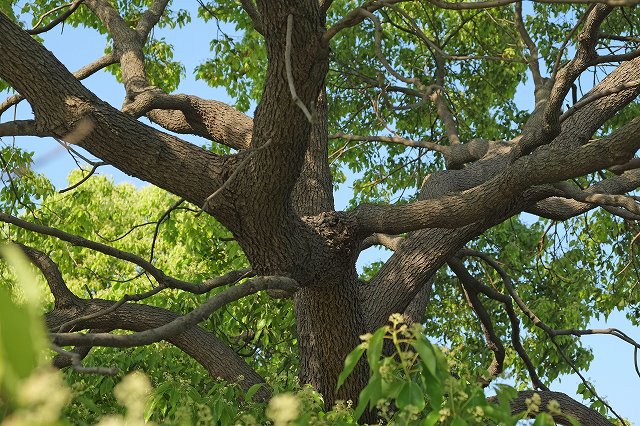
[[136, 149], [598, 95], [86, 177], [355, 17], [491, 338], [75, 361], [557, 208], [499, 3], [151, 17], [253, 13], [217, 358], [180, 324], [188, 114], [548, 165], [72, 8], [62, 296], [479, 287], [81, 74], [203, 346], [533, 62], [76, 240], [506, 279]]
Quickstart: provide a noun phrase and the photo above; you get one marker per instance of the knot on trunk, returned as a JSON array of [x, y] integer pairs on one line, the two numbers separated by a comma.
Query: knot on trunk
[[337, 230]]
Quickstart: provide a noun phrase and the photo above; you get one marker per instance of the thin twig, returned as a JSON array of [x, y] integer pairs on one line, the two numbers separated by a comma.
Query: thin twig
[[76, 363], [85, 178], [72, 8]]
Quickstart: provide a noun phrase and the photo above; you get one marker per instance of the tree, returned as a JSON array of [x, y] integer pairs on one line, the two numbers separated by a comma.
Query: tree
[[426, 89]]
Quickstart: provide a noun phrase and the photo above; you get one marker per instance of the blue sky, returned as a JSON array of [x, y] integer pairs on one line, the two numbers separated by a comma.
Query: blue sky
[[612, 370]]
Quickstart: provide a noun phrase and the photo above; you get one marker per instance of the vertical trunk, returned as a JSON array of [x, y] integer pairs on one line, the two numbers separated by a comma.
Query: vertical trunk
[[329, 325], [329, 319]]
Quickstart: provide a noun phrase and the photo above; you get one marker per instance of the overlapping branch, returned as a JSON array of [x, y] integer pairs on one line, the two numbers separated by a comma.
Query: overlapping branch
[[552, 333], [163, 280], [103, 315], [180, 324]]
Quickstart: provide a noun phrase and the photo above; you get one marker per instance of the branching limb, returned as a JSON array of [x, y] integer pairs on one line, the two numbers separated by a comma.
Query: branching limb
[[630, 85], [546, 166], [189, 114], [150, 18], [557, 208], [179, 113], [63, 361], [492, 339], [506, 279], [62, 296], [585, 56], [568, 37], [209, 201], [72, 8], [355, 17], [621, 201], [22, 128], [86, 177], [81, 74], [389, 241], [179, 324], [435, 92], [533, 62], [203, 346], [157, 274], [392, 139], [76, 363], [479, 287], [499, 3]]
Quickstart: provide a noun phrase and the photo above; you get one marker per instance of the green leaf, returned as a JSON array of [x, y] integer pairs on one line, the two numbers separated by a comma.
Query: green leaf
[[22, 332], [411, 395], [431, 419], [458, 421], [252, 391], [374, 349], [350, 363], [427, 355], [544, 419], [369, 396]]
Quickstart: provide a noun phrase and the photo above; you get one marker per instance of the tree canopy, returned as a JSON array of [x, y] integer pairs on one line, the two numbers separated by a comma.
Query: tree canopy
[[232, 277]]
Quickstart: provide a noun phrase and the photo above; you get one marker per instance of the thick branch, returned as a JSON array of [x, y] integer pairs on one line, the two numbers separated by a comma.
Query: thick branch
[[62, 296], [62, 104], [190, 114], [549, 164], [253, 13], [493, 341], [499, 3], [151, 17], [81, 74], [533, 62], [570, 408], [21, 128], [203, 346], [557, 208]]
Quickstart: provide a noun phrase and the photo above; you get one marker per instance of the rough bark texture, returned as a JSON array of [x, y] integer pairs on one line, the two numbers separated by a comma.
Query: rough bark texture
[[275, 194]]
